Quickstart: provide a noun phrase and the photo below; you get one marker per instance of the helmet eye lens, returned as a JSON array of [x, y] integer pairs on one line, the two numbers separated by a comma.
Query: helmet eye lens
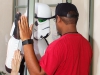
[[41, 20]]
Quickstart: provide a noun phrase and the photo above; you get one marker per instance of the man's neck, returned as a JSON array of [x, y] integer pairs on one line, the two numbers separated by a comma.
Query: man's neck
[[70, 29]]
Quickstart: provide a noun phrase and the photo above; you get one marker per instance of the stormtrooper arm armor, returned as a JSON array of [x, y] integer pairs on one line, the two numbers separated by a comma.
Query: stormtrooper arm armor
[[12, 29]]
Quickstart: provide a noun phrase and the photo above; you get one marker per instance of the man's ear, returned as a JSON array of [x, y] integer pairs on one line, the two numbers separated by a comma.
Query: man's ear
[[58, 19]]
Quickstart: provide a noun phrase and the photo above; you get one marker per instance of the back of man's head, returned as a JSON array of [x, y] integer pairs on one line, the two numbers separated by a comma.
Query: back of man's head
[[67, 12]]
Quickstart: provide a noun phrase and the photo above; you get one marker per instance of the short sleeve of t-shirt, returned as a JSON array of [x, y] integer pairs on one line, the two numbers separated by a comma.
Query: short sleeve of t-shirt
[[50, 61]]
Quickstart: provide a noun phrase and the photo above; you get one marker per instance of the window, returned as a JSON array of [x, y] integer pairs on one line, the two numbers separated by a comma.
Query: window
[[20, 6]]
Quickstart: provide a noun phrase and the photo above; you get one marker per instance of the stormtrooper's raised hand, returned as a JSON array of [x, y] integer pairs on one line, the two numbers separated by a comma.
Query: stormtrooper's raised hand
[[25, 31], [16, 63]]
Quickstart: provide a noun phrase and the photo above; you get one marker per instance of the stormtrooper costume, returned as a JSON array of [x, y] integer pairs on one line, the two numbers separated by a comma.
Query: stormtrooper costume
[[41, 32], [41, 27]]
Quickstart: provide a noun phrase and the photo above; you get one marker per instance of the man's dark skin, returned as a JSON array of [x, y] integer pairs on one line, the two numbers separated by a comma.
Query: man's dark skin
[[25, 33]]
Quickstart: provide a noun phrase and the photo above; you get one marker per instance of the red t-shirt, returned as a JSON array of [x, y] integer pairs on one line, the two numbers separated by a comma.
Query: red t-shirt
[[69, 55]]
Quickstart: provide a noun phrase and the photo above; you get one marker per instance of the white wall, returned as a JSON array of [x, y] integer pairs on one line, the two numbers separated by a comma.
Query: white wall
[[51, 1], [20, 3], [83, 22], [96, 38], [5, 25]]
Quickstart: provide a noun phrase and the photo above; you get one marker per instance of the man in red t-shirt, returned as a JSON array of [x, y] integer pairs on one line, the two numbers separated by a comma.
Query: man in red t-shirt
[[71, 54]]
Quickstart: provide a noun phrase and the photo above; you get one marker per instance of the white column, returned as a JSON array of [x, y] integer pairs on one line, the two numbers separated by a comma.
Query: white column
[[5, 26], [96, 38]]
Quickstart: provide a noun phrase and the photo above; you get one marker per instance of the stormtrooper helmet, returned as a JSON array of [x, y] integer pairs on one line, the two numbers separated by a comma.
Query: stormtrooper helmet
[[42, 20]]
